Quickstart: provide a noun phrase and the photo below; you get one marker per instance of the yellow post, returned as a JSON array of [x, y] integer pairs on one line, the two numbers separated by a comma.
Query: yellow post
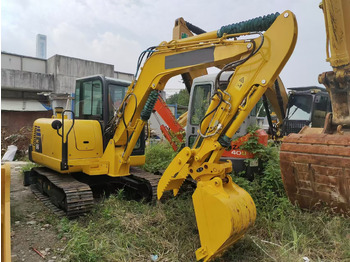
[[5, 213]]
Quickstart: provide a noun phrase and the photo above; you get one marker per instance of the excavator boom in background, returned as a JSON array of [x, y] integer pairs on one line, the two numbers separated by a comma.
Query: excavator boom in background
[[315, 163], [173, 131], [95, 146]]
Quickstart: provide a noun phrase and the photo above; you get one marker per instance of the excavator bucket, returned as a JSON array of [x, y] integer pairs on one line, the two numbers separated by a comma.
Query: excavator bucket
[[315, 169], [224, 212]]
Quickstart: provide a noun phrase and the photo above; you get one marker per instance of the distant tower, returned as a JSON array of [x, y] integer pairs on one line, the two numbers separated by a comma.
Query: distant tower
[[41, 46]]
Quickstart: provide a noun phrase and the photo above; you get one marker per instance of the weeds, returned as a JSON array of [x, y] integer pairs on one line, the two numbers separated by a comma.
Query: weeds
[[28, 167], [132, 231], [158, 157], [282, 231], [120, 230]]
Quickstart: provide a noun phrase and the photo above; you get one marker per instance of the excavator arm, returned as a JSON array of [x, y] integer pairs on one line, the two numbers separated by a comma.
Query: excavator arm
[[223, 210], [337, 23], [177, 57]]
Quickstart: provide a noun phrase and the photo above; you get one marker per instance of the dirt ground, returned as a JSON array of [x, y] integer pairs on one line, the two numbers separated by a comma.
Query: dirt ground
[[31, 224]]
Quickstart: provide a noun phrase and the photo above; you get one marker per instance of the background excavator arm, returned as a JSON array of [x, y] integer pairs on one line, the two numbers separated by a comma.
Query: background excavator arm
[[184, 29]]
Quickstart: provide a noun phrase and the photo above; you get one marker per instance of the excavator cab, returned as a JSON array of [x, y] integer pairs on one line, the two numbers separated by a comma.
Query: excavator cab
[[306, 107], [99, 98], [200, 97]]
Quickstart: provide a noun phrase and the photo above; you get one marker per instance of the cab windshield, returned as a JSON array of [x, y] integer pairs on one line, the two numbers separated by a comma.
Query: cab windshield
[[200, 102], [116, 95], [300, 107], [88, 100]]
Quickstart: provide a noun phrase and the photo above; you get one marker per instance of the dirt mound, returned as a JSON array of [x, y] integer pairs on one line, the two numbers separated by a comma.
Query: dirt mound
[[21, 139]]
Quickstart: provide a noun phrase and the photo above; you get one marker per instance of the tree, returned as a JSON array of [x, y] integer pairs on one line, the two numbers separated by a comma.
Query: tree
[[181, 99]]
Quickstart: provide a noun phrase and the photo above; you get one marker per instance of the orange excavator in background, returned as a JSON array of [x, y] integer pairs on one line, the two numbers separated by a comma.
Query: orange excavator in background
[[172, 131], [315, 163]]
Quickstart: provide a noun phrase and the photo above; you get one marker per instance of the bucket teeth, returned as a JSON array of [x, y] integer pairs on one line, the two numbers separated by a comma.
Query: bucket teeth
[[171, 180]]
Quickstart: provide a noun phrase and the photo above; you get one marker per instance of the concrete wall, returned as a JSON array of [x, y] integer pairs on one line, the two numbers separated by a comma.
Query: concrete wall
[[57, 74], [67, 69], [23, 63], [24, 80], [24, 77], [11, 62], [24, 73], [124, 76]]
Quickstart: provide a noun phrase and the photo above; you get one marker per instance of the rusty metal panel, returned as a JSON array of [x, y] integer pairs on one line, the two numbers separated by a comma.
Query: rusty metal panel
[[315, 170]]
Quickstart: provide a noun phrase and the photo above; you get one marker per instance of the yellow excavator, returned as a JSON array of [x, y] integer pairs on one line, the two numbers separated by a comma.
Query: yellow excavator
[[315, 163], [78, 151]]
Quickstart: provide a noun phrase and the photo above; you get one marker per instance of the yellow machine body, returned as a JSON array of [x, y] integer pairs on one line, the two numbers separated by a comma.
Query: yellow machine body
[[84, 144], [85, 147]]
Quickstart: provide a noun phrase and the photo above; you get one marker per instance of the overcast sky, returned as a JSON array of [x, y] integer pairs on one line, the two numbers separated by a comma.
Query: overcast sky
[[116, 31]]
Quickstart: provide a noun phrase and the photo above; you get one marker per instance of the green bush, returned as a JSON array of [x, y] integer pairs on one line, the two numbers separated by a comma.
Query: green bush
[[29, 166], [158, 157], [267, 187]]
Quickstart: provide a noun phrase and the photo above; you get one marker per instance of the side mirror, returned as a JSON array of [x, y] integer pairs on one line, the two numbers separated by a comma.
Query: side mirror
[[56, 124]]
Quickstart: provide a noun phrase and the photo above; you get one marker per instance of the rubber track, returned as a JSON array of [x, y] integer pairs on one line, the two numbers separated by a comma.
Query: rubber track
[[47, 202], [151, 178], [79, 199]]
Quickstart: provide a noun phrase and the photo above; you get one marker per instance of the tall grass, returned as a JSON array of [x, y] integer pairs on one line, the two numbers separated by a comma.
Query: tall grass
[[158, 157], [120, 230]]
